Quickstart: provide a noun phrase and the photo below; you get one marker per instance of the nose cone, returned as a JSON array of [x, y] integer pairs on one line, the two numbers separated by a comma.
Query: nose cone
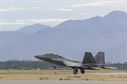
[[41, 57], [45, 56], [38, 57]]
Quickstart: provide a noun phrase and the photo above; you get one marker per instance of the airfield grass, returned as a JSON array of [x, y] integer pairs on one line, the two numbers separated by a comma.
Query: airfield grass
[[86, 78], [55, 72], [8, 75]]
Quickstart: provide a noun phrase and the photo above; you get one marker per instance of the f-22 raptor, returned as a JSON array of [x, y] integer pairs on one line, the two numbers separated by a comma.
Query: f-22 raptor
[[89, 62]]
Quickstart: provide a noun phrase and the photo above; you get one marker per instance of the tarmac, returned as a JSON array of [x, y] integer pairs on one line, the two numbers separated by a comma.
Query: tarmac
[[119, 75], [57, 75], [59, 82]]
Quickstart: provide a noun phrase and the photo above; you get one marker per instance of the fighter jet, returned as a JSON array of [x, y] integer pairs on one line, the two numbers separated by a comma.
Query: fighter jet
[[89, 62]]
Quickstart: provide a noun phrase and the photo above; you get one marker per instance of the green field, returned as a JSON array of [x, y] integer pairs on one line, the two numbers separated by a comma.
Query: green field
[[66, 75], [56, 71]]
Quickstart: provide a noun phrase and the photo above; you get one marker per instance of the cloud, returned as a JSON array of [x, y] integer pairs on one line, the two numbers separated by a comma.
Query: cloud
[[12, 8], [10, 23], [99, 3], [63, 9], [86, 4], [8, 9], [53, 20], [33, 21]]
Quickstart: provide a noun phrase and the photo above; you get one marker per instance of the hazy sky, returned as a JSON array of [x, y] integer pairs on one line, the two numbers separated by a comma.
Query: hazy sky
[[15, 14]]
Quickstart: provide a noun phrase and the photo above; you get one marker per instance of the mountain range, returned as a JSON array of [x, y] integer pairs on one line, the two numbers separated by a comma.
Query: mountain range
[[70, 39]]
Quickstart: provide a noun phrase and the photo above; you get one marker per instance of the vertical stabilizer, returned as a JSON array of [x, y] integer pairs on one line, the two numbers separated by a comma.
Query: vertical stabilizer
[[100, 58], [88, 58]]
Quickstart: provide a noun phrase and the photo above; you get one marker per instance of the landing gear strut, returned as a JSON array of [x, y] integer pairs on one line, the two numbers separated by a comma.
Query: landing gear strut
[[75, 71]]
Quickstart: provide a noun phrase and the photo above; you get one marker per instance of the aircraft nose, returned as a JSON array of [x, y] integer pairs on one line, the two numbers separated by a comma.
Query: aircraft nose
[[38, 57]]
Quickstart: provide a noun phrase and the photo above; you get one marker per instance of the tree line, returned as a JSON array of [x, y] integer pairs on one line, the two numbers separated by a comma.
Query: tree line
[[34, 65]]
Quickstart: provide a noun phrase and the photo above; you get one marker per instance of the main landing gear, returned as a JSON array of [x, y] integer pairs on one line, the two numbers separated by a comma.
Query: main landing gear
[[82, 71], [75, 71]]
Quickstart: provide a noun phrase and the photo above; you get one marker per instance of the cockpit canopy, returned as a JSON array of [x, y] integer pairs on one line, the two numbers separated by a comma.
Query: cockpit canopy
[[51, 55]]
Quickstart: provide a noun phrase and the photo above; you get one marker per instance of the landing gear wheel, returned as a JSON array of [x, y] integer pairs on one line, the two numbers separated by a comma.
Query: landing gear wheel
[[82, 71], [75, 71]]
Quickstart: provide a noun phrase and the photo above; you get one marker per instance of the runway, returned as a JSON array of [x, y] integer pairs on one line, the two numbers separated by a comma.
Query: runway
[[59, 82], [61, 75], [87, 77]]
